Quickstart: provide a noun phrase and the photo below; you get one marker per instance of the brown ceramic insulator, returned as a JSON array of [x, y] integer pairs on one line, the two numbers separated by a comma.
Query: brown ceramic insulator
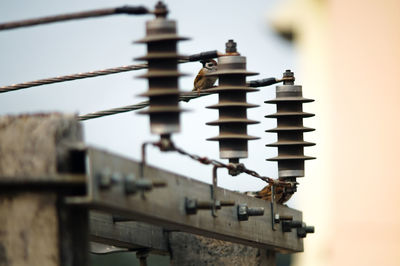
[[289, 114], [162, 57], [232, 106]]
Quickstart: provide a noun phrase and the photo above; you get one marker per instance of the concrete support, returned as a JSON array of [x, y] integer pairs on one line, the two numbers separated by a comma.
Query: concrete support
[[188, 249], [31, 217]]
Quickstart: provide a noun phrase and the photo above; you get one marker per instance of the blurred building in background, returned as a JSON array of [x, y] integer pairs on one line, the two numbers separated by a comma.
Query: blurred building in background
[[349, 55]]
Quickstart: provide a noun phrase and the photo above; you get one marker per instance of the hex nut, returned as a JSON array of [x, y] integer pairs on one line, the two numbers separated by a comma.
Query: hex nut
[[129, 184], [190, 206], [242, 212]]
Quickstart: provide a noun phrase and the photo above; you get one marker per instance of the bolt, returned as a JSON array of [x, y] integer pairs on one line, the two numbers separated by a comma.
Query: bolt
[[277, 218], [160, 10], [304, 230], [256, 211], [288, 77], [244, 212], [133, 185], [143, 184], [104, 178], [235, 168], [159, 183], [287, 226], [224, 203], [129, 184], [116, 178], [165, 143], [280, 218], [230, 47], [192, 205]]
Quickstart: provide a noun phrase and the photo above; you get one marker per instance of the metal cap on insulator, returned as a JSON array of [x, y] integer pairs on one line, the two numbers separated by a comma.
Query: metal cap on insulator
[[232, 105], [161, 40], [289, 114]]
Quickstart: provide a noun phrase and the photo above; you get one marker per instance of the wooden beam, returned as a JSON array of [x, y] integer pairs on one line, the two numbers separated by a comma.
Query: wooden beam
[[132, 235], [165, 207]]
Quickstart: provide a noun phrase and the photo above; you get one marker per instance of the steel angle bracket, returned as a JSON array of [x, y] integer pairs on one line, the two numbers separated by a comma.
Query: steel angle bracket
[[107, 176]]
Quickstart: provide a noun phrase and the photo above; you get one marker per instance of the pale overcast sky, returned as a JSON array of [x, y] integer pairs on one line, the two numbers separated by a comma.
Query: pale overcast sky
[[91, 44]]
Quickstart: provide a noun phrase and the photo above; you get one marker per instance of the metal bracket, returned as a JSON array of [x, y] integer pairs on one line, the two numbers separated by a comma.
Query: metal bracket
[[273, 207], [213, 191], [276, 218]]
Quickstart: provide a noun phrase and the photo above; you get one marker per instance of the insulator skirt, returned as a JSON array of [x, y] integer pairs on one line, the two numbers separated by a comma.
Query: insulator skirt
[[290, 129], [162, 75], [232, 106]]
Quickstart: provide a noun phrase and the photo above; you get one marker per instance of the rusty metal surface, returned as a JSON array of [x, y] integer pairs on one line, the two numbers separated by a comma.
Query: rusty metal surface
[[232, 105], [289, 101], [161, 40]]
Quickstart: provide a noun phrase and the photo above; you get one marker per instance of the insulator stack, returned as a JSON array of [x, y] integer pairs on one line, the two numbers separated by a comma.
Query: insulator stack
[[232, 105], [289, 114], [161, 39]]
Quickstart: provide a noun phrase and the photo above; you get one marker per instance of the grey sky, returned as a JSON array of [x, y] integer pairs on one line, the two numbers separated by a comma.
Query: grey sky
[[85, 45]]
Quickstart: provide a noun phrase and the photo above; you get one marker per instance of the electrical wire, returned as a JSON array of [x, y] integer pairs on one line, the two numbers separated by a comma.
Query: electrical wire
[[108, 71], [186, 97], [90, 74], [183, 97], [168, 145], [131, 10]]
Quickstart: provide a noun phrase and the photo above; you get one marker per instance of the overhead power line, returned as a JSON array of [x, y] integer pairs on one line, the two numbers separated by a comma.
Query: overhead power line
[[91, 74], [185, 96], [108, 71], [130, 10]]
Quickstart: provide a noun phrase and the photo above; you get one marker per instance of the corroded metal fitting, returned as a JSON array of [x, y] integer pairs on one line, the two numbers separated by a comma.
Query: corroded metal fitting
[[244, 212], [230, 47], [232, 105], [160, 9], [304, 230], [193, 205], [161, 40], [287, 226], [289, 105], [133, 185]]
